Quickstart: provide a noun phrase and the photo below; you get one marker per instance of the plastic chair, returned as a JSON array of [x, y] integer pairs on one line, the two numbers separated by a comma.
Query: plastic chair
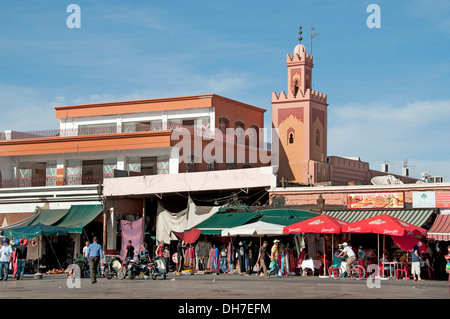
[[404, 270], [382, 270]]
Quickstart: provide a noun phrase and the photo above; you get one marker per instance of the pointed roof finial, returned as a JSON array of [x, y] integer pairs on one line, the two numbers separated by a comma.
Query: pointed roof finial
[[300, 33]]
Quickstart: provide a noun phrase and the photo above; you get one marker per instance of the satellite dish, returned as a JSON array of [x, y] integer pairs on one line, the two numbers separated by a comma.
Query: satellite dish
[[385, 180]]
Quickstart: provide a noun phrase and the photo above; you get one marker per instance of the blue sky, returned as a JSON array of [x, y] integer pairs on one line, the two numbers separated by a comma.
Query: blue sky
[[388, 88]]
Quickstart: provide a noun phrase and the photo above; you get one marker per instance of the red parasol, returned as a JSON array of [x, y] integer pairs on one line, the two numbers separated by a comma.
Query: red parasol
[[322, 224], [407, 243], [384, 225]]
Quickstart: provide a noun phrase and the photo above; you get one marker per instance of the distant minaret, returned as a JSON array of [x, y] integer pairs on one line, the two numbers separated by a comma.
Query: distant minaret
[[300, 114]]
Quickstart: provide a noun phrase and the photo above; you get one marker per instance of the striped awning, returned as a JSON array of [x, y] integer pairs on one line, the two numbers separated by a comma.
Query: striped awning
[[441, 228], [417, 217]]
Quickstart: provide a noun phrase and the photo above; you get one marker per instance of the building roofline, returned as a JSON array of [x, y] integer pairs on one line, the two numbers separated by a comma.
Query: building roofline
[[156, 100]]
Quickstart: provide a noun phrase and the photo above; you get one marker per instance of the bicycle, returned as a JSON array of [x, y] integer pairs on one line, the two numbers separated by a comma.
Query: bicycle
[[337, 270]]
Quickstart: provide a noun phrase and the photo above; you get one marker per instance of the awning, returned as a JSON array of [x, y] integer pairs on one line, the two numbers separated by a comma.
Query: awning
[[24, 222], [441, 228], [32, 231], [417, 217], [285, 216], [49, 216], [79, 216], [221, 220]]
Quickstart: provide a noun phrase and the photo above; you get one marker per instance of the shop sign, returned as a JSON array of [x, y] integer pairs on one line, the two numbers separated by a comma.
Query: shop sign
[[431, 199], [376, 200]]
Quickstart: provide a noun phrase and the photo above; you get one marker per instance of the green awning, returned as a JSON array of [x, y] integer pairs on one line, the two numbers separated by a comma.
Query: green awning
[[285, 216], [79, 216], [32, 231], [23, 223], [222, 220], [417, 217], [49, 216]]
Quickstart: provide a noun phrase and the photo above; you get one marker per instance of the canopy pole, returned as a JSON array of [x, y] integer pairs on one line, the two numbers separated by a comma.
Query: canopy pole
[[104, 230], [143, 219], [324, 259]]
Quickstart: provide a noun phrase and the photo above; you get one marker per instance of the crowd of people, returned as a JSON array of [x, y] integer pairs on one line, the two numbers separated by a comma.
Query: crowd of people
[[243, 257]]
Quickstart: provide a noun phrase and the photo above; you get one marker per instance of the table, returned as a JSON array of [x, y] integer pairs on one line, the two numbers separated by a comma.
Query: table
[[311, 264]]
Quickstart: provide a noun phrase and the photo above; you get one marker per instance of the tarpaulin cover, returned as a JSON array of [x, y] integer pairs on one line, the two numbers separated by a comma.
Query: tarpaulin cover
[[79, 216], [35, 230], [189, 237], [168, 222], [131, 230]]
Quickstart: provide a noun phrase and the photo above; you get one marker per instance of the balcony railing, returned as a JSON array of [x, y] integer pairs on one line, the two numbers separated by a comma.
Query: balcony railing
[[52, 181], [114, 129]]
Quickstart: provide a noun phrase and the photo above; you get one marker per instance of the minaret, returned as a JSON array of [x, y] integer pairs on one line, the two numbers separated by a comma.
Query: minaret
[[301, 118]]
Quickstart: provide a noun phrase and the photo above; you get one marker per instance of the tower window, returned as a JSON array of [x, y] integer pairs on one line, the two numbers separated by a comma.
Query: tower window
[[295, 88], [318, 138], [291, 138]]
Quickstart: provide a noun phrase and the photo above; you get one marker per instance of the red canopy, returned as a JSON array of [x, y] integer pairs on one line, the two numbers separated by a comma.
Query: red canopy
[[189, 237], [322, 224], [385, 225]]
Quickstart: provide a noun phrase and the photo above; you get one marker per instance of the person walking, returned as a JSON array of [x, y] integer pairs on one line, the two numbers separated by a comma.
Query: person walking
[[180, 254], [5, 258], [274, 253], [262, 258], [415, 265], [94, 254], [129, 252], [21, 255]]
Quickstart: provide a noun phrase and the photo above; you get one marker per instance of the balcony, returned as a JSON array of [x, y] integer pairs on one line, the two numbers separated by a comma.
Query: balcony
[[116, 129]]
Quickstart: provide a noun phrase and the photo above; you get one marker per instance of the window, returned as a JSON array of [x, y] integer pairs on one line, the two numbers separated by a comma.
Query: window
[[291, 138], [92, 172], [318, 138], [223, 124], [212, 166], [148, 165], [191, 165], [296, 87]]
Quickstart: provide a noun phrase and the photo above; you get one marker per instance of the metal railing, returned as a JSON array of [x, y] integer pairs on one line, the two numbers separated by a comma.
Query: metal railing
[[52, 181]]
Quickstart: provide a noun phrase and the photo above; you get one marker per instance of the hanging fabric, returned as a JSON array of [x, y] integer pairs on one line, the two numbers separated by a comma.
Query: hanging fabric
[[131, 230]]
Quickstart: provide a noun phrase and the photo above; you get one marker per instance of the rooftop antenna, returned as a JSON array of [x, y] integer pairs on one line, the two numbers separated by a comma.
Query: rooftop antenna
[[312, 36]]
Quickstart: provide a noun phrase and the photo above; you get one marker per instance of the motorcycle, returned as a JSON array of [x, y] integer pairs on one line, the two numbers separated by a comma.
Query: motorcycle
[[111, 266], [157, 268], [138, 268]]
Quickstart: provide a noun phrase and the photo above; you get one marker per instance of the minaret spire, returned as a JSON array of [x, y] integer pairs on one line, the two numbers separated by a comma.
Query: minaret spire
[[300, 38]]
